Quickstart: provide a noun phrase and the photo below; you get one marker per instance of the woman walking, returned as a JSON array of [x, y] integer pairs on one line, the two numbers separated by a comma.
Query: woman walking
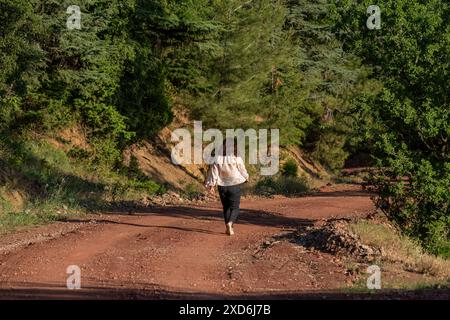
[[228, 172]]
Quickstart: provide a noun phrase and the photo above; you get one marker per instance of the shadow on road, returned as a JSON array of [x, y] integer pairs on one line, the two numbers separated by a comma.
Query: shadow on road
[[359, 193], [40, 291], [247, 216]]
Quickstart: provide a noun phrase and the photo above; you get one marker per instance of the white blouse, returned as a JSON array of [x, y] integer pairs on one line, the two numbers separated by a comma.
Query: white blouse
[[227, 171]]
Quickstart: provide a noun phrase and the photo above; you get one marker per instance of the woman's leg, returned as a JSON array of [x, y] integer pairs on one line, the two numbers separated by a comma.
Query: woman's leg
[[234, 202], [225, 203]]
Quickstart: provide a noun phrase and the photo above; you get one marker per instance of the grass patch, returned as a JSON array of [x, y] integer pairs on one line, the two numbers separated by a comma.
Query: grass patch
[[55, 181], [55, 175], [13, 221], [35, 214], [348, 180], [192, 191], [5, 204], [282, 185], [396, 248]]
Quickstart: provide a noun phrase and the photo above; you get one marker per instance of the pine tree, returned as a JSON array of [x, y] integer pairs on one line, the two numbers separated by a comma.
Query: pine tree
[[21, 64], [333, 79], [109, 75], [246, 74]]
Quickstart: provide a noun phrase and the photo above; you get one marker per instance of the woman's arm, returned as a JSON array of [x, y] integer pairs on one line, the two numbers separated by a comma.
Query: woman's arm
[[212, 176], [242, 169]]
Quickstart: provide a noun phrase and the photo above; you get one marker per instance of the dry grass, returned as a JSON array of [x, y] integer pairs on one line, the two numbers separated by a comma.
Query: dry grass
[[396, 248]]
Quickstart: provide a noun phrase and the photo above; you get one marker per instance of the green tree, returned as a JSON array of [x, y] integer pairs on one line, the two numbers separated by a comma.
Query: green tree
[[246, 74], [21, 63], [333, 78], [411, 57], [110, 75]]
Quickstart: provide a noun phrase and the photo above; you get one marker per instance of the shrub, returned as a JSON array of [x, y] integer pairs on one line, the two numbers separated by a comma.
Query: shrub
[[410, 115], [289, 168], [149, 186], [282, 185], [78, 153], [192, 191]]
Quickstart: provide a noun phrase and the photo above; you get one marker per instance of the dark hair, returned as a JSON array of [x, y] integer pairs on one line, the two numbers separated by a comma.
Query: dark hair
[[225, 147]]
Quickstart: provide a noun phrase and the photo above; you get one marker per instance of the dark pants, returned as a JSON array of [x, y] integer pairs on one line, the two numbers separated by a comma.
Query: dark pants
[[231, 198]]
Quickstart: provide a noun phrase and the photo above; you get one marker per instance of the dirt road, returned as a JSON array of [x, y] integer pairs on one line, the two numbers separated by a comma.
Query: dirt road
[[176, 252]]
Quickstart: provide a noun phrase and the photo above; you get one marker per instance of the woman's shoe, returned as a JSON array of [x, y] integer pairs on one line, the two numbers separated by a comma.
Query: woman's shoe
[[230, 230]]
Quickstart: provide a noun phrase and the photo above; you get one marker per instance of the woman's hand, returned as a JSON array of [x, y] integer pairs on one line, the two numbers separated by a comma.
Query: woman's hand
[[211, 190]]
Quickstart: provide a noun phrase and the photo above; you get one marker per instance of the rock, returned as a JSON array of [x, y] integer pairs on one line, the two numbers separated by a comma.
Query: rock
[[334, 237]]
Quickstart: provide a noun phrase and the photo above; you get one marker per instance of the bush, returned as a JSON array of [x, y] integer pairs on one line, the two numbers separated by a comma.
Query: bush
[[419, 205], [149, 186], [289, 168], [191, 191], [410, 115], [282, 185], [78, 153], [134, 170]]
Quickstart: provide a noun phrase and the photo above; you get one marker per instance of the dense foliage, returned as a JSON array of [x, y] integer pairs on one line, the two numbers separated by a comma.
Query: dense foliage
[[109, 75], [276, 64], [333, 78], [237, 64], [410, 117]]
